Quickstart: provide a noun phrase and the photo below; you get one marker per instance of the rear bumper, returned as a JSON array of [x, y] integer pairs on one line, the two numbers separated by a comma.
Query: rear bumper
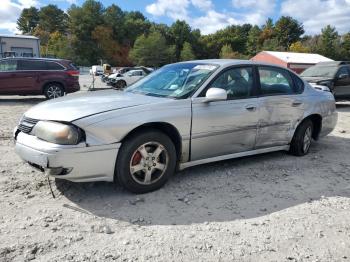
[[328, 123], [78, 163], [72, 87]]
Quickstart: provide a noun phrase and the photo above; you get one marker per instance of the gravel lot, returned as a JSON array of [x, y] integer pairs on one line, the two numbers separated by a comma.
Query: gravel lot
[[272, 207]]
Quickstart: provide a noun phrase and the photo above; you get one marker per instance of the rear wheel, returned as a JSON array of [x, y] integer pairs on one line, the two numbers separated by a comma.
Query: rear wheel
[[53, 90], [302, 139], [145, 162], [120, 84]]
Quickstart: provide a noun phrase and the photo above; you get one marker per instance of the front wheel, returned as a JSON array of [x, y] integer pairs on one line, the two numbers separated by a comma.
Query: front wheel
[[302, 139], [145, 162]]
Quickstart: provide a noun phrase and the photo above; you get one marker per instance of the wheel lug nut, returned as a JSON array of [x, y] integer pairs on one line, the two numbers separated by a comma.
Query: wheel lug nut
[[154, 164], [153, 158], [149, 168]]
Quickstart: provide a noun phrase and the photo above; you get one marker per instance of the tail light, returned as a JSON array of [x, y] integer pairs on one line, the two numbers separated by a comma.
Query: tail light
[[73, 73]]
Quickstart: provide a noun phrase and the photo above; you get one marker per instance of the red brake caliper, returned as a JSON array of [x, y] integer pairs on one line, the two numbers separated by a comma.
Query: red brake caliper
[[136, 159]]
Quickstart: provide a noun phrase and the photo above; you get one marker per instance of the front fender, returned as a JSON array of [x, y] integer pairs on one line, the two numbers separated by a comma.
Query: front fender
[[112, 127]]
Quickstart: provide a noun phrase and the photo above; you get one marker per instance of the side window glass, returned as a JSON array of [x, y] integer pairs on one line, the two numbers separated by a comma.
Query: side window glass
[[343, 71], [275, 81], [238, 82], [53, 66], [299, 85], [8, 65]]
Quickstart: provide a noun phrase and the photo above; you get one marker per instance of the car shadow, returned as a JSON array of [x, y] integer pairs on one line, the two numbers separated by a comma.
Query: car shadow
[[224, 191], [21, 99], [343, 106]]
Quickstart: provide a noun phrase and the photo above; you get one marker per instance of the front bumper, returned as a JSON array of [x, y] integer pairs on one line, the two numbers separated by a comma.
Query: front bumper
[[78, 163]]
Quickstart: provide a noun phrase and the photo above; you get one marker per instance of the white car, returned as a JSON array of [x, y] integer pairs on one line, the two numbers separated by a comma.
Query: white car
[[121, 81], [96, 70]]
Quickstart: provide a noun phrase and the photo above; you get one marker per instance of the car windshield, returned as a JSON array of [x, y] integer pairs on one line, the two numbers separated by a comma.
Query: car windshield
[[320, 71], [176, 80]]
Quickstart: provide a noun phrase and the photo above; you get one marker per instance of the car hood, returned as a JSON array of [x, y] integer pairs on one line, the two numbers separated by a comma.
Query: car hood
[[315, 79], [76, 106]]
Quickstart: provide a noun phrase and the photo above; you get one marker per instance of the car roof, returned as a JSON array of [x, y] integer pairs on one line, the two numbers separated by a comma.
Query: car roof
[[35, 59], [333, 63], [233, 62]]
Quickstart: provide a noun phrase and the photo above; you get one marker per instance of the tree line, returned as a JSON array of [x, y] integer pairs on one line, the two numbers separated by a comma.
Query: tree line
[[92, 33]]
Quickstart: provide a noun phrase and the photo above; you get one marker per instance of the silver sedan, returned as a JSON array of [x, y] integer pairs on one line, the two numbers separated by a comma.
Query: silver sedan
[[181, 115]]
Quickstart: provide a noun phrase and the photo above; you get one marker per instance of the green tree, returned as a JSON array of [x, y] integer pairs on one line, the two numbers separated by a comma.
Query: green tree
[[345, 46], [268, 30], [329, 42], [287, 31], [59, 46], [272, 45], [151, 50], [114, 18], [227, 53], [28, 20], [298, 47], [254, 42], [135, 24], [187, 52], [180, 32], [82, 22], [52, 19]]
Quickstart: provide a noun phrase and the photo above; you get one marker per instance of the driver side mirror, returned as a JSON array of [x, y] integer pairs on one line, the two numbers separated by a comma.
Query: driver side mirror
[[215, 94], [343, 76]]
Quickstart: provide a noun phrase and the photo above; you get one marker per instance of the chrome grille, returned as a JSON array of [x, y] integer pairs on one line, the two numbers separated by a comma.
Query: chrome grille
[[26, 124]]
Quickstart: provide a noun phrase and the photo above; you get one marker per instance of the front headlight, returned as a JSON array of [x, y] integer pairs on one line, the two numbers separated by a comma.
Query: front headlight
[[57, 133], [325, 83]]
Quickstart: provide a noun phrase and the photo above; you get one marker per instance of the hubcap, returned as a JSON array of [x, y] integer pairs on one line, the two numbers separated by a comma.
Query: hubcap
[[307, 139], [54, 92], [149, 163]]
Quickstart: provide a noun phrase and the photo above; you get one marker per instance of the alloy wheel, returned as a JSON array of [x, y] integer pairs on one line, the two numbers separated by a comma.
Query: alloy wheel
[[54, 91], [149, 163], [307, 139]]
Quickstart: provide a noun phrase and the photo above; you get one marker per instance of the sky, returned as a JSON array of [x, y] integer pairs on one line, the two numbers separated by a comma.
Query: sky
[[208, 15]]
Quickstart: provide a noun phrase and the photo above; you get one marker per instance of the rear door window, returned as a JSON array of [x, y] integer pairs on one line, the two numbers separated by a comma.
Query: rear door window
[[8, 65], [31, 65], [275, 81]]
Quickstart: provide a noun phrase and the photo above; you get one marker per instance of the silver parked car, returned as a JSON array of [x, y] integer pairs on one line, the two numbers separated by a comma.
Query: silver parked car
[[181, 115]]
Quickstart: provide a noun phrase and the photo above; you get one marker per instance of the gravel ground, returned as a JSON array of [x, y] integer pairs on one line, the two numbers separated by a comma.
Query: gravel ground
[[272, 207]]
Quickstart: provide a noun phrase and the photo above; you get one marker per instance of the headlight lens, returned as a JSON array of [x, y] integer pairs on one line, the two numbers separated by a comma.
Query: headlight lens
[[325, 83], [57, 133]]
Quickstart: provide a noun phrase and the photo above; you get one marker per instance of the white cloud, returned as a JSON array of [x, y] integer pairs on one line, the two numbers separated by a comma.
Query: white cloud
[[10, 11], [28, 3], [212, 22], [177, 9], [255, 12], [202, 4], [316, 14]]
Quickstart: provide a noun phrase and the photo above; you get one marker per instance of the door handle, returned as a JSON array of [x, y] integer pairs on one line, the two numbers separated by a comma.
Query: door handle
[[250, 107], [297, 103]]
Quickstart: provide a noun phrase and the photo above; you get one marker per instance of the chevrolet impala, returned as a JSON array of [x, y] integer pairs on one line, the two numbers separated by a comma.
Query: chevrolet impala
[[181, 115]]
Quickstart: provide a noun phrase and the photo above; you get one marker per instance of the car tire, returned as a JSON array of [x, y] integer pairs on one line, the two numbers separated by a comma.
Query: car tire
[[145, 161], [53, 90], [302, 139], [121, 84]]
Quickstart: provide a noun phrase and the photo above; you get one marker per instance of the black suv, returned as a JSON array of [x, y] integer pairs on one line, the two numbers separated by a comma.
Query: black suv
[[335, 75]]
